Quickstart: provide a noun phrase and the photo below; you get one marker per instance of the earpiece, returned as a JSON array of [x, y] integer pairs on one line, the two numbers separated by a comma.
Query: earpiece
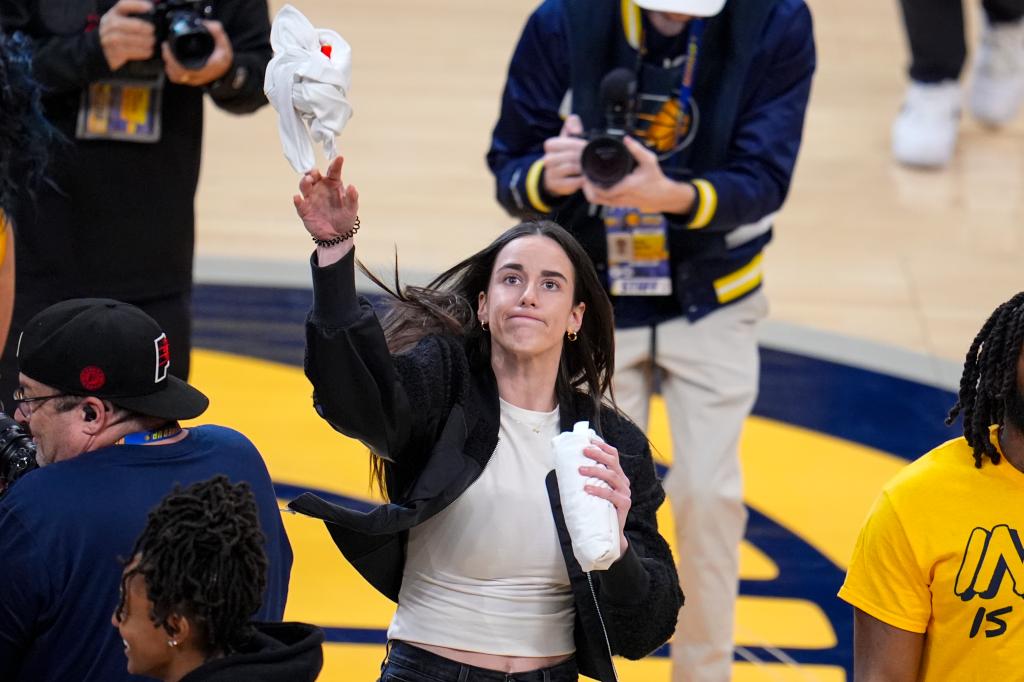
[[90, 413]]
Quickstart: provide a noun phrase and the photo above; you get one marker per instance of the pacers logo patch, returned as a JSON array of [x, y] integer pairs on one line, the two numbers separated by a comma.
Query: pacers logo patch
[[669, 127], [163, 357]]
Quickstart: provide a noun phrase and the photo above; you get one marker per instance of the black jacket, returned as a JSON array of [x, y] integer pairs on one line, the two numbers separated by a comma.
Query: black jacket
[[434, 416], [109, 201], [277, 652]]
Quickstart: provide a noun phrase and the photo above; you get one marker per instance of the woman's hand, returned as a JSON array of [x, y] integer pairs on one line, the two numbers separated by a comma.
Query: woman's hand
[[327, 207], [612, 474]]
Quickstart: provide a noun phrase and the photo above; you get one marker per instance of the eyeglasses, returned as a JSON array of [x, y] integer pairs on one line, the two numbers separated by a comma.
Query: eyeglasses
[[25, 404]]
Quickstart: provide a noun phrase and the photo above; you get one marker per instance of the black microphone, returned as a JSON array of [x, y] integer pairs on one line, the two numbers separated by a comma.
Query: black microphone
[[618, 92]]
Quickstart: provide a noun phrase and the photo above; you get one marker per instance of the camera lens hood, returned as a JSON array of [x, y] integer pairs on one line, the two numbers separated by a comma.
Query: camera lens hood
[[606, 160]]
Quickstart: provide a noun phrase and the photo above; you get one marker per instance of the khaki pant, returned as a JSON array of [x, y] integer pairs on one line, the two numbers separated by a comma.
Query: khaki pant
[[709, 375]]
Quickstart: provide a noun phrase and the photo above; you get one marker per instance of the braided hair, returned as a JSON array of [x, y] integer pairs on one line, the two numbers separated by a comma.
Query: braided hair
[[988, 387], [201, 556]]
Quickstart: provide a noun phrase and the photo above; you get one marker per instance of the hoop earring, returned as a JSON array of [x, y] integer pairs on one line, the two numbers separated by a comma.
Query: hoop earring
[[483, 325], [571, 335]]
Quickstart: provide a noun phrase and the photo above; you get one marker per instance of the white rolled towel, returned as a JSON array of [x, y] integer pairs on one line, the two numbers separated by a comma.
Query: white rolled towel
[[308, 88], [592, 521]]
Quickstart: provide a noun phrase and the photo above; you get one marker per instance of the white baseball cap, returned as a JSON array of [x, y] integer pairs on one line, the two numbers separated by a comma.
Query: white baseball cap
[[696, 8]]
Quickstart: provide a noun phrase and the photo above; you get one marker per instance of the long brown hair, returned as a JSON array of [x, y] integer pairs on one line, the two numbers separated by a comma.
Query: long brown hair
[[447, 306]]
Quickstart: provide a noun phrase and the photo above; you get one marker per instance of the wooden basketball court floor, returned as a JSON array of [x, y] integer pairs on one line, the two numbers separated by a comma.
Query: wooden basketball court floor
[[879, 277]]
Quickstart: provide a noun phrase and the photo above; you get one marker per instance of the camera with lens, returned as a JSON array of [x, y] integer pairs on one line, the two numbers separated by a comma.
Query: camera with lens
[[606, 160], [17, 452], [180, 24]]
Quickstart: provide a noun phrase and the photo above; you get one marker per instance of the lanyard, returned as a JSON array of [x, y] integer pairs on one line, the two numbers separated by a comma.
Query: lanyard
[[694, 31], [147, 437]]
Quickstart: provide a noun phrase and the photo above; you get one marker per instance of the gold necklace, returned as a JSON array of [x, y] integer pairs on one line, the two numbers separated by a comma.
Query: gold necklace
[[508, 410], [533, 426]]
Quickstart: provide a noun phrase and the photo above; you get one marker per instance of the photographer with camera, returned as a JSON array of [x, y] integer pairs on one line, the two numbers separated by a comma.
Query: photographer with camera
[[124, 84], [663, 134], [103, 412]]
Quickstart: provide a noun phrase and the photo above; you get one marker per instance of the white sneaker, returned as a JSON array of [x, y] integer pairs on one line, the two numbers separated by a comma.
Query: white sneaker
[[924, 133], [998, 88]]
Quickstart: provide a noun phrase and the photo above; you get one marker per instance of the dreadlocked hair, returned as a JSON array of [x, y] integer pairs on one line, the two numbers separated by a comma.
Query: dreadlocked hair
[[201, 556], [989, 382], [24, 132], [448, 305]]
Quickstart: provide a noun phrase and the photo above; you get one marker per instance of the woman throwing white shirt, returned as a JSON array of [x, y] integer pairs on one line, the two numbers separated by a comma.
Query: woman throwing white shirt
[[458, 394]]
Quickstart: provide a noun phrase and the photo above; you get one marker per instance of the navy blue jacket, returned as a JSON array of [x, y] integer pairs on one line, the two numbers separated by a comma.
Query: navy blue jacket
[[753, 79]]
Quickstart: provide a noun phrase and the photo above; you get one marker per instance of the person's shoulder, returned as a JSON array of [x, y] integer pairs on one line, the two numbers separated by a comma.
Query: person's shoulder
[[549, 14], [214, 431], [792, 6], [224, 444], [786, 8], [435, 351], [549, 8], [795, 14], [273, 651], [221, 434], [954, 454], [223, 450], [450, 343], [620, 430], [427, 344], [943, 465], [779, 18]]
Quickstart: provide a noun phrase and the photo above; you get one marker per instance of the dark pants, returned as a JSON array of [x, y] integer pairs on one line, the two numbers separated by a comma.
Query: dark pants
[[935, 30], [173, 313], [407, 663]]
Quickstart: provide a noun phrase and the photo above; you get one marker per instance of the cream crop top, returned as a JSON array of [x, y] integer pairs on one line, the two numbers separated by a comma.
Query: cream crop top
[[487, 573]]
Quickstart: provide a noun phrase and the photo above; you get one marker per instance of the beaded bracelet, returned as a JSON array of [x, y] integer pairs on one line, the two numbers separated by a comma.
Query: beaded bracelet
[[334, 241]]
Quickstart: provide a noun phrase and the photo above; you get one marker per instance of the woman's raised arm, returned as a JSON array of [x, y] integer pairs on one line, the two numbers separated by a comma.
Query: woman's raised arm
[[329, 211]]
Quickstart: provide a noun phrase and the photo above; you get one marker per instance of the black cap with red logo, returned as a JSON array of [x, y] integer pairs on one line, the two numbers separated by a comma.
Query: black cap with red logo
[[107, 349]]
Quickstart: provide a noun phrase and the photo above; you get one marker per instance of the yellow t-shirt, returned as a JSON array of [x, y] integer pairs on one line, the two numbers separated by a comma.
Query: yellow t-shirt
[[942, 553]]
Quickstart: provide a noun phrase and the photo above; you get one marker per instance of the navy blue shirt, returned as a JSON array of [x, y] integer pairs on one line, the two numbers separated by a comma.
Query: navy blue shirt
[[65, 528]]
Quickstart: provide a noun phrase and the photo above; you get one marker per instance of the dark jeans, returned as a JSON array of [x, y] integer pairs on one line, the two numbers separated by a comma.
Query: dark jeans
[[407, 663], [935, 30]]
